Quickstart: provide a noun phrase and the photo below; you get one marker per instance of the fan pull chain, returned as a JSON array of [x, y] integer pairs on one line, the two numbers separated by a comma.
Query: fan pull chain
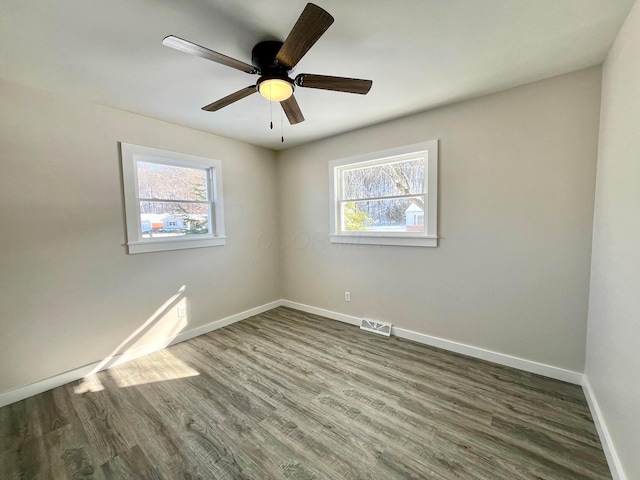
[[271, 115], [270, 109], [281, 126]]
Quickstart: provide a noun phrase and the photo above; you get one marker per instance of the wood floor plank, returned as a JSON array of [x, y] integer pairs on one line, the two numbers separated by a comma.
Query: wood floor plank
[[130, 464], [286, 394], [384, 378], [69, 455], [517, 453], [155, 436], [54, 411], [19, 423], [309, 444], [559, 448], [196, 428], [106, 432]]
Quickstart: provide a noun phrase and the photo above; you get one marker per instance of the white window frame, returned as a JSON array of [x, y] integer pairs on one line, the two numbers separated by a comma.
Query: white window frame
[[132, 154], [428, 238]]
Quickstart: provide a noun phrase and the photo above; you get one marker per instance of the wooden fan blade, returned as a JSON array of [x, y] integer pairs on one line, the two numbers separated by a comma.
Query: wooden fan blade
[[189, 47], [339, 84], [292, 109], [229, 99], [313, 22]]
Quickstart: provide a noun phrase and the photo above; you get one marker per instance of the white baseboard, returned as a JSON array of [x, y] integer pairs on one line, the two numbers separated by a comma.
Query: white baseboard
[[27, 391], [491, 356], [617, 472], [226, 321], [469, 350], [341, 317]]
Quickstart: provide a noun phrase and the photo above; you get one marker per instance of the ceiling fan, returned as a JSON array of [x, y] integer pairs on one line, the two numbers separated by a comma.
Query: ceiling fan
[[274, 60]]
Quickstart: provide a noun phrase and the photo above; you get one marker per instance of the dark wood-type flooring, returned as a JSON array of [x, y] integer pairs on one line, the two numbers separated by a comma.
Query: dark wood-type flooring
[[287, 394]]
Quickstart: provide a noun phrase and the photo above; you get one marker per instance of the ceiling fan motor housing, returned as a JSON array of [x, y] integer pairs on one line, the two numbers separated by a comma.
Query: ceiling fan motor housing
[[263, 57]]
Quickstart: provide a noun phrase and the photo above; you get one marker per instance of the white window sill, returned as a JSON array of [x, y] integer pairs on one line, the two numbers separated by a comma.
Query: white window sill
[[161, 245], [403, 241]]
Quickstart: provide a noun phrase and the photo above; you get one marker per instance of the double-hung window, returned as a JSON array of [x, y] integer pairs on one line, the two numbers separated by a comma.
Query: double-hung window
[[172, 200], [387, 198]]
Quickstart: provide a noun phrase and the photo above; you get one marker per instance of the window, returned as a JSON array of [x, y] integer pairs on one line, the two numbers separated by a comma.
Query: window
[[386, 198], [172, 200]]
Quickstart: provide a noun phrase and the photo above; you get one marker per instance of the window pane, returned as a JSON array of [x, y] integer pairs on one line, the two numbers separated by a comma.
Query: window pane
[[397, 215], [167, 182], [384, 180], [171, 219]]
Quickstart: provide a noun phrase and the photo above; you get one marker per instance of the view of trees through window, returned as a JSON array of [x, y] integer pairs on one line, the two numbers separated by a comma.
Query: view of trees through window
[[384, 196], [173, 200]]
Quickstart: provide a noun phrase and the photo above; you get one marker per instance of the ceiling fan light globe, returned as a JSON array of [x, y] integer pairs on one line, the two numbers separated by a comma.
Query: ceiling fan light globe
[[275, 89]]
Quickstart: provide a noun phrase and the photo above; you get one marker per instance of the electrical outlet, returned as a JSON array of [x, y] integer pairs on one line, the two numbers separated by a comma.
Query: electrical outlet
[[347, 296], [182, 310]]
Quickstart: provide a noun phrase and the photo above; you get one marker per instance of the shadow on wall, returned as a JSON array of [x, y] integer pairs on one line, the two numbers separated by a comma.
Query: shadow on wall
[[155, 334]]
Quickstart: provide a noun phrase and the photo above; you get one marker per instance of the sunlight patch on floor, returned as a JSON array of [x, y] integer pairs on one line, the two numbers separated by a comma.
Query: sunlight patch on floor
[[90, 383], [157, 367]]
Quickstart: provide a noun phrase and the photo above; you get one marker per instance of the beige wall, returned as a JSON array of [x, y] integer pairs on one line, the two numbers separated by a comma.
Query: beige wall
[[69, 293], [613, 351], [511, 274]]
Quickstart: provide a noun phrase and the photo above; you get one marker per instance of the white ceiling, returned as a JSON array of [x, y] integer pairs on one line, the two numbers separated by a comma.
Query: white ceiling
[[419, 54]]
